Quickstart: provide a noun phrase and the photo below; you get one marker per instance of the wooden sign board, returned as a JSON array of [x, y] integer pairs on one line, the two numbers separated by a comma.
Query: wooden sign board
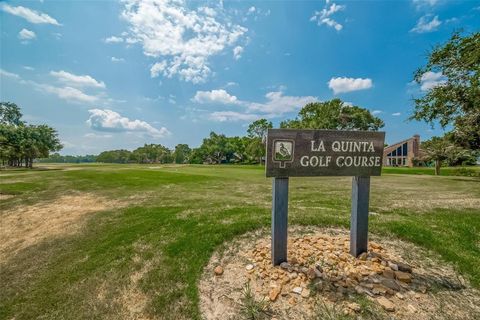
[[301, 153], [304, 153]]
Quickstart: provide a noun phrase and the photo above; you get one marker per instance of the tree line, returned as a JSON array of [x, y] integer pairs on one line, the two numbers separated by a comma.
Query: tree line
[[21, 143], [249, 149]]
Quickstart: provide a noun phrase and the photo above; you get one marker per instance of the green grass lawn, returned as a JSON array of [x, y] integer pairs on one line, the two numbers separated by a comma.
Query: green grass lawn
[[172, 218], [471, 171]]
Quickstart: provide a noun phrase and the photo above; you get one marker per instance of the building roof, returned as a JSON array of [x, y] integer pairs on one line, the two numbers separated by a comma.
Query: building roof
[[396, 145]]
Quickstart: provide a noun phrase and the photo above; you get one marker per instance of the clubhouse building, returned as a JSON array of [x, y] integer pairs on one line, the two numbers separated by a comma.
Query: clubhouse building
[[403, 153]]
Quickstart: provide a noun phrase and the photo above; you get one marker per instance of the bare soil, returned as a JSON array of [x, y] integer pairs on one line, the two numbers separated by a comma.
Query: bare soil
[[23, 226], [5, 196]]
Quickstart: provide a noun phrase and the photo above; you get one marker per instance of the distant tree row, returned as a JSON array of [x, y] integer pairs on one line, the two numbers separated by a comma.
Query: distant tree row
[[21, 143], [149, 153], [250, 149], [58, 158]]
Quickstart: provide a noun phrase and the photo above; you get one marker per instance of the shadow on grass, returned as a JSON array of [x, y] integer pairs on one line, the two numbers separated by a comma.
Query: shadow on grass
[[59, 278]]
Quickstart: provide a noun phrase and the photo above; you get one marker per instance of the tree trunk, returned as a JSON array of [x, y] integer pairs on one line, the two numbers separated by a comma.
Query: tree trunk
[[437, 167]]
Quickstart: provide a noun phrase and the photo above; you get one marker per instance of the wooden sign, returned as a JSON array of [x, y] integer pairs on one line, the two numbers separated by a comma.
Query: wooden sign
[[302, 153]]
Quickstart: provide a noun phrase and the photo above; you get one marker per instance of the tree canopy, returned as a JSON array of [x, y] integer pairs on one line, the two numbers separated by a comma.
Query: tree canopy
[[182, 153], [258, 129], [257, 132], [335, 115], [10, 114], [455, 99], [20, 143], [439, 149]]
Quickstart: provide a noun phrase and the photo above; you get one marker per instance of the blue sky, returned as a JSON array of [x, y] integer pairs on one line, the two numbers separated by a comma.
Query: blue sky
[[110, 75]]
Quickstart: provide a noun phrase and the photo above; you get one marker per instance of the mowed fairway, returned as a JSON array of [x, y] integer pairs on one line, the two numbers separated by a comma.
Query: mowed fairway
[[131, 241]]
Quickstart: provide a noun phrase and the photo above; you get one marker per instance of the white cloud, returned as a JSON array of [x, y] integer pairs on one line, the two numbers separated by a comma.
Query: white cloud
[[222, 116], [67, 144], [430, 80], [277, 103], [114, 59], [111, 121], [77, 81], [158, 68], [28, 68], [183, 39], [94, 135], [332, 23], [375, 112], [208, 11], [424, 24], [254, 12], [113, 39], [396, 114], [26, 34], [30, 15], [344, 84], [7, 74], [215, 96], [325, 16], [424, 3], [67, 93], [331, 10], [237, 52]]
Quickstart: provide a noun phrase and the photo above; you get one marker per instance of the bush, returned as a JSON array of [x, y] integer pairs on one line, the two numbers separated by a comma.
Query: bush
[[466, 172]]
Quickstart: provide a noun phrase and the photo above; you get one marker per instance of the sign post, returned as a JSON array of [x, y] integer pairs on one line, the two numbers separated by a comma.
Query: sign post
[[304, 153], [279, 220], [359, 215]]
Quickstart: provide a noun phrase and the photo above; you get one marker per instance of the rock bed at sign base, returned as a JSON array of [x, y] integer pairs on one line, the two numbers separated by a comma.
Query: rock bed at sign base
[[320, 271], [323, 264]]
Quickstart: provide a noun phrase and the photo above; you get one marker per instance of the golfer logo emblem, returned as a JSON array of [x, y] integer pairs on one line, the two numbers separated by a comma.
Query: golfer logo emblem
[[283, 151]]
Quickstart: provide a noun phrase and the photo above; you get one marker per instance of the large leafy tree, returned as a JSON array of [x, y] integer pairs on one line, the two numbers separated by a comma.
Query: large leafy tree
[[336, 115], [257, 133], [182, 153], [10, 114], [258, 129], [238, 147], [218, 148], [114, 156], [442, 149], [455, 100], [438, 149], [152, 153], [20, 143]]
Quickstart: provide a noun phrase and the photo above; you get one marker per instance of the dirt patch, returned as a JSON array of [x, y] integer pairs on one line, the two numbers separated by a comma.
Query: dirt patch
[[428, 204], [133, 300], [5, 196], [24, 226], [322, 279]]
